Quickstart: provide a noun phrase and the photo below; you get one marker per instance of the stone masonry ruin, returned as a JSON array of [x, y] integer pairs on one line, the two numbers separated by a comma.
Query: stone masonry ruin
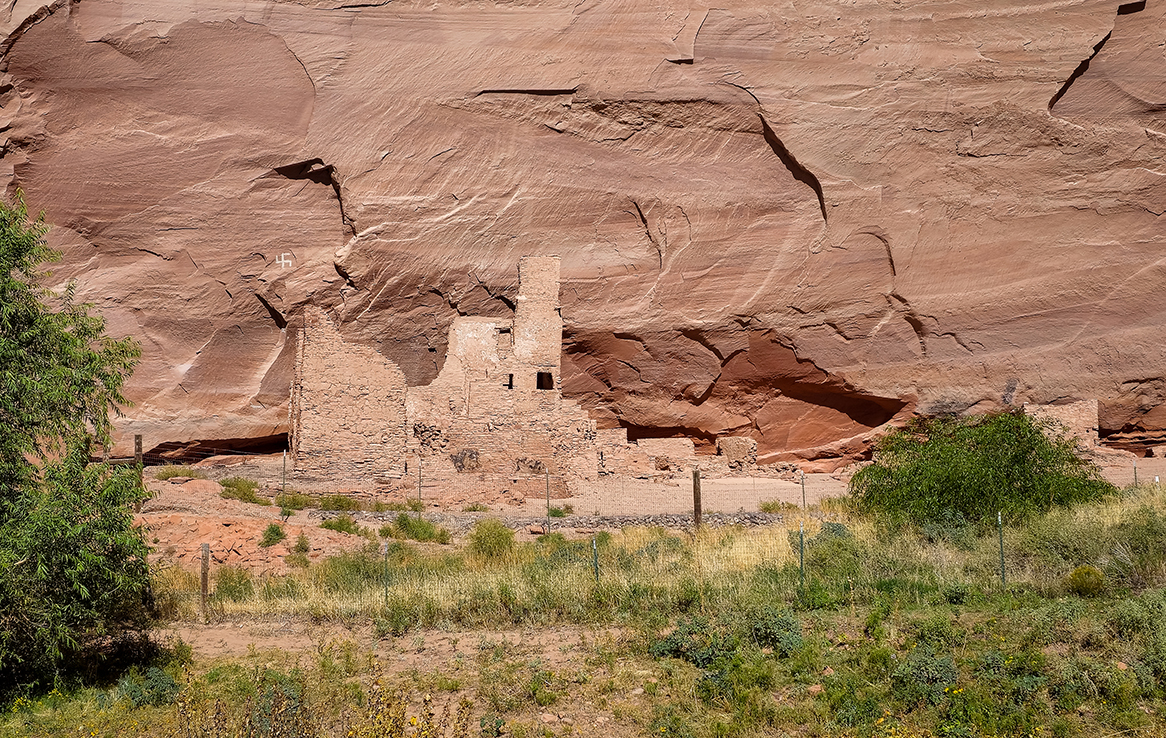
[[493, 418]]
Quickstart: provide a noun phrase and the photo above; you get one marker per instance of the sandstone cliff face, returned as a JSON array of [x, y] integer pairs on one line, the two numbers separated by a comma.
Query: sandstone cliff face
[[791, 220]]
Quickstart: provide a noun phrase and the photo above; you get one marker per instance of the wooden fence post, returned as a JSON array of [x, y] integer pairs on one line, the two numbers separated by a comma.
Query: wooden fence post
[[206, 575], [696, 508]]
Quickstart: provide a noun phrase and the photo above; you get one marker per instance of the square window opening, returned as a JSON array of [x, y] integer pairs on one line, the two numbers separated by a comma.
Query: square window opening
[[545, 381]]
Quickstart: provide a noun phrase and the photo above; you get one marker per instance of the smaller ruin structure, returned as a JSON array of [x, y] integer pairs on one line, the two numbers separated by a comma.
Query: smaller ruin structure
[[494, 417]]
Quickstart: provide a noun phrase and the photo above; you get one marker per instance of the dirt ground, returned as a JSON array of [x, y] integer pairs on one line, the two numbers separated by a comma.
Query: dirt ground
[[441, 660]]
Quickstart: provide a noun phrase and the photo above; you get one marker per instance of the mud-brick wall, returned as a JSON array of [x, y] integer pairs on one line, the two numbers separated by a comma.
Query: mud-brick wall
[[538, 327], [347, 409], [1078, 419], [510, 443]]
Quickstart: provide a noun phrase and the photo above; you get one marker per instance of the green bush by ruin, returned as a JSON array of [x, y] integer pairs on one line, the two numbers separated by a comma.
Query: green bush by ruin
[[950, 471]]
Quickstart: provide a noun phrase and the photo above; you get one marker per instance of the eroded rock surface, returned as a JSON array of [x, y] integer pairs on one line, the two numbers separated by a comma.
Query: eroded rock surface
[[790, 220]]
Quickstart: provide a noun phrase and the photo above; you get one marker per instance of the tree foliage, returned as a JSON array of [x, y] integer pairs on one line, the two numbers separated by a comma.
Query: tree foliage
[[944, 469], [72, 566]]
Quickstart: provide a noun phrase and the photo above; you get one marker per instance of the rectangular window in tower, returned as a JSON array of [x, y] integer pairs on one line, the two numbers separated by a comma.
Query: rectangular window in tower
[[545, 381]]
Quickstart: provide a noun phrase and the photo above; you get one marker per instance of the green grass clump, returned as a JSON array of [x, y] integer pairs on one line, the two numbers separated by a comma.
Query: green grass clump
[[345, 524], [272, 535], [242, 489], [490, 539], [294, 501], [233, 583], [416, 529], [561, 512], [174, 470], [476, 507], [776, 506], [301, 546], [339, 503], [967, 469]]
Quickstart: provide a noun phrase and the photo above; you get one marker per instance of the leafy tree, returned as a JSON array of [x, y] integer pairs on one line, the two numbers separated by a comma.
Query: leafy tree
[[72, 566], [944, 469]]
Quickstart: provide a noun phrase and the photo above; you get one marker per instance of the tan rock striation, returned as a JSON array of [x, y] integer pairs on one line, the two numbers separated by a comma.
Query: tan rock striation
[[791, 221]]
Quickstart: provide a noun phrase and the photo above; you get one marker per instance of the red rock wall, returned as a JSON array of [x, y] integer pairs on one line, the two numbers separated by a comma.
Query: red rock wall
[[787, 221]]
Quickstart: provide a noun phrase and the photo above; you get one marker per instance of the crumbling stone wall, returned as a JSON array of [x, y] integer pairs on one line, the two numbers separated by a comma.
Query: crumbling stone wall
[[487, 400], [347, 408], [1080, 419], [669, 454], [739, 452], [615, 456]]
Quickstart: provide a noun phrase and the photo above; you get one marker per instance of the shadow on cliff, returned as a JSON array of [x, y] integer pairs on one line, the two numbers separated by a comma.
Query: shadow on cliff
[[735, 381]]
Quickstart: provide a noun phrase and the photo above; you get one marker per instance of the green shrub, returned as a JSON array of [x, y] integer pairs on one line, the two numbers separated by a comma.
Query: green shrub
[[416, 529], [949, 526], [174, 470], [1085, 581], [294, 501], [153, 687], [297, 560], [273, 535], [974, 467], [339, 503], [559, 512], [343, 524], [302, 545], [777, 629], [958, 593], [833, 553], [242, 489], [475, 507], [696, 641], [923, 678], [490, 539], [938, 631]]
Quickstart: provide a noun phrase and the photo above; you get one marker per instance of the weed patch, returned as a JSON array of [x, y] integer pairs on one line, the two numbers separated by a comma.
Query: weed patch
[[272, 535], [173, 471], [415, 529], [339, 503], [242, 489], [294, 501], [345, 524]]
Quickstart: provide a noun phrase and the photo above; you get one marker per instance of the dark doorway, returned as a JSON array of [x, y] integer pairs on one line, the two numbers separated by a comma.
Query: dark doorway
[[545, 381]]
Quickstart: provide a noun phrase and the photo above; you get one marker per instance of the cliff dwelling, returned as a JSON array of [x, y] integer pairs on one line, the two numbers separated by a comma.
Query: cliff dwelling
[[495, 415]]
